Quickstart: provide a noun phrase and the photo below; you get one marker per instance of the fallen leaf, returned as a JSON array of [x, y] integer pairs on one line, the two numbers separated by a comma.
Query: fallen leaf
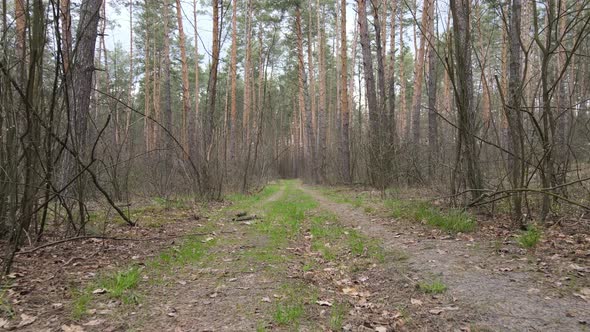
[[57, 305], [350, 291], [436, 311], [416, 302], [579, 268], [583, 297], [208, 239], [99, 291], [585, 291], [72, 328], [324, 303], [266, 299], [380, 329], [26, 320], [214, 295], [15, 275], [94, 322], [3, 323], [450, 308]]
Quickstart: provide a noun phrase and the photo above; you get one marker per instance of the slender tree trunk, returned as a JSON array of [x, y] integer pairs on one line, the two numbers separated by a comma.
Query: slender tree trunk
[[304, 108], [380, 66], [233, 68], [212, 99], [195, 115], [403, 112], [66, 32], [513, 112], [345, 117], [370, 91], [426, 20], [432, 116], [461, 11], [167, 85], [391, 122], [248, 77], [186, 103], [322, 111]]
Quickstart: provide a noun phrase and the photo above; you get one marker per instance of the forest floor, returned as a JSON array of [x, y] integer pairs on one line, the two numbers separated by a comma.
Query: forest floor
[[307, 259]]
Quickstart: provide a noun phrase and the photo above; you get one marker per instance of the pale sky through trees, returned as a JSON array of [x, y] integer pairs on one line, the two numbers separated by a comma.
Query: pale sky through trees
[[120, 32]]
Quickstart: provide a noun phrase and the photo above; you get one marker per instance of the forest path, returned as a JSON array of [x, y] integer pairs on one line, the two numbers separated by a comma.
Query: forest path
[[485, 291]]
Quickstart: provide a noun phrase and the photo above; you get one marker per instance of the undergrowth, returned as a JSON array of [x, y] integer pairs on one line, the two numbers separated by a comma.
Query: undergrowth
[[452, 220], [6, 309], [432, 287], [530, 237]]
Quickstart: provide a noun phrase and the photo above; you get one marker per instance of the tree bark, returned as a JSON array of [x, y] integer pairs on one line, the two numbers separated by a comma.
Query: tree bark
[[463, 77], [426, 20], [186, 104], [370, 91], [345, 117], [513, 112]]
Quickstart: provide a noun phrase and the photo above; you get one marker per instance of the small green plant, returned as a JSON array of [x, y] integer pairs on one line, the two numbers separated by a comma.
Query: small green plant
[[337, 317], [120, 284], [433, 287], [530, 237], [287, 314], [5, 306], [452, 221], [260, 327], [81, 300], [356, 243]]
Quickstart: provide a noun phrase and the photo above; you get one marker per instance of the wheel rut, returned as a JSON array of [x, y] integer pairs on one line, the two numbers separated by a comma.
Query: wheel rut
[[480, 297]]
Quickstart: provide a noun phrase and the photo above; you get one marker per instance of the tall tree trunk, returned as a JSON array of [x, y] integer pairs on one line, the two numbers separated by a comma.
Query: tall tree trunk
[[461, 11], [248, 78], [304, 108], [212, 99], [426, 20], [186, 103], [391, 122], [195, 115], [311, 70], [147, 77], [167, 86], [403, 112], [233, 68], [370, 91], [380, 66], [513, 112], [345, 117], [432, 116], [66, 32], [322, 111]]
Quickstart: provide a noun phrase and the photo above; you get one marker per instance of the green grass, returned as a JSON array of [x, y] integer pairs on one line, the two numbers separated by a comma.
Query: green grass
[[243, 201], [283, 218], [452, 220], [6, 309], [337, 316], [432, 287], [291, 308], [120, 284], [530, 237], [81, 302], [288, 314]]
